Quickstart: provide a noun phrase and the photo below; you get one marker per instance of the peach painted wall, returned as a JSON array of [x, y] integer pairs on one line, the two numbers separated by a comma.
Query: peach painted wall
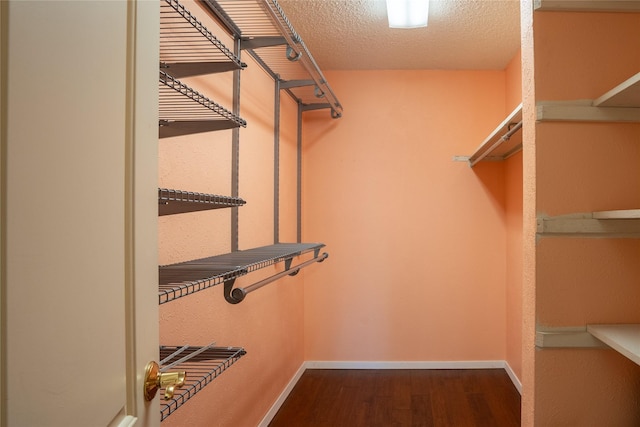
[[268, 323], [513, 82], [417, 241], [513, 223], [582, 167]]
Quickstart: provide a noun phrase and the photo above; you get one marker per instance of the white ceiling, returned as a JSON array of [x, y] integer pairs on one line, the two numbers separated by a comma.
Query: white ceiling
[[353, 34]]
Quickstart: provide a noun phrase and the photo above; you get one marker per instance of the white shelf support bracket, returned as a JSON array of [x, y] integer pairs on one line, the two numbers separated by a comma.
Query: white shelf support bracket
[[623, 338], [566, 337], [584, 111], [591, 224]]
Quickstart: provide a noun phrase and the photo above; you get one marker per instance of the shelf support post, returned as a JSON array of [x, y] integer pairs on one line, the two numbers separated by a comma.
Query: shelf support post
[[276, 162]]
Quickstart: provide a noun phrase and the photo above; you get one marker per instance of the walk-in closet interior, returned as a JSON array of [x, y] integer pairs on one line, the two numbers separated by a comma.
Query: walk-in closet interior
[[195, 210]]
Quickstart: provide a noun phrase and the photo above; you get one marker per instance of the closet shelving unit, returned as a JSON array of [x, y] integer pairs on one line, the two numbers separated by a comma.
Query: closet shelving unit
[[262, 30], [620, 104], [188, 48], [502, 143], [172, 202], [267, 35], [201, 365]]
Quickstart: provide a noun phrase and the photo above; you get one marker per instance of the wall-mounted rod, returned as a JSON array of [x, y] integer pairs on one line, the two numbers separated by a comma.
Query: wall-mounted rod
[[234, 296], [513, 129]]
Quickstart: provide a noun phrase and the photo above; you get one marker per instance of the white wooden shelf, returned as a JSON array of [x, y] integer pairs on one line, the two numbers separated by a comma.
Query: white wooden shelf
[[620, 104], [626, 94], [503, 142], [625, 339], [566, 337], [618, 214], [587, 5], [615, 223]]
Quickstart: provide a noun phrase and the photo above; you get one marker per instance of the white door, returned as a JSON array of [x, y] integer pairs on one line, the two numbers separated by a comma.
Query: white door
[[79, 207]]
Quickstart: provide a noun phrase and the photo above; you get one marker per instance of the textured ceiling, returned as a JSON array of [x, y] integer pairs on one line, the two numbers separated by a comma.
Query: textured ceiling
[[353, 34]]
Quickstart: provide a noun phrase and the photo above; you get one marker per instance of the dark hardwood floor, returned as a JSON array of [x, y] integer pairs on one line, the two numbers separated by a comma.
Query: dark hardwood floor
[[399, 397]]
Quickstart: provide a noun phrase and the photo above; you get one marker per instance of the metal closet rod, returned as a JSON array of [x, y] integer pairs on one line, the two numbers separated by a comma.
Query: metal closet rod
[[237, 295], [513, 129]]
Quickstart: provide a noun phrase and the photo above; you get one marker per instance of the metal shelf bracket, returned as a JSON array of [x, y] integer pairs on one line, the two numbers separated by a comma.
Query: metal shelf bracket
[[292, 55]]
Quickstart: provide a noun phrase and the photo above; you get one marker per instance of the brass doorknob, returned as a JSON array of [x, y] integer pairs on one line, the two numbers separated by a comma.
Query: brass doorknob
[[154, 380]]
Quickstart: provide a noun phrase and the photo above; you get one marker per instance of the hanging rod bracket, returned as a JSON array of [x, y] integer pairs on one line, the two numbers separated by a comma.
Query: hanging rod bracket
[[233, 296]]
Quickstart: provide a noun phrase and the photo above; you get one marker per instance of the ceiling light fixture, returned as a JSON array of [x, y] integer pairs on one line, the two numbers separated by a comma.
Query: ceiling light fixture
[[407, 13]]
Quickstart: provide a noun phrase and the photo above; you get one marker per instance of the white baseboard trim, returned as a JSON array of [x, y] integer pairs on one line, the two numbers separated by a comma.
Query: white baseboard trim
[[462, 364], [316, 364], [514, 378], [283, 396]]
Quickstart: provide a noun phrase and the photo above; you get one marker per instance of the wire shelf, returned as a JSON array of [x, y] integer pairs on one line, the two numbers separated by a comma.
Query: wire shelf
[[177, 281], [183, 110], [176, 201], [201, 364], [269, 37], [188, 48], [182, 279]]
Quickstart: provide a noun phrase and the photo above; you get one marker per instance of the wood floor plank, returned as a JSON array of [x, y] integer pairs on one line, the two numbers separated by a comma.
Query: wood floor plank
[[421, 411], [411, 398]]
